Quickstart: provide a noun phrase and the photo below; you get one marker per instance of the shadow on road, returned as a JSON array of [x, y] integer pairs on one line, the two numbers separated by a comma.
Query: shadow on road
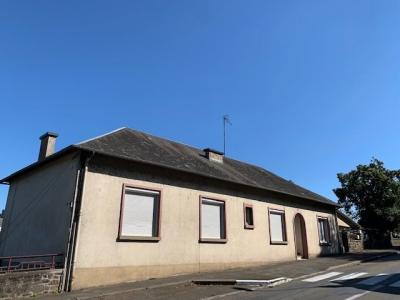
[[378, 283]]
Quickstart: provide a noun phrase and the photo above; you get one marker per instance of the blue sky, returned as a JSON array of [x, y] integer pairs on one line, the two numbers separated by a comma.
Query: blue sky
[[312, 87]]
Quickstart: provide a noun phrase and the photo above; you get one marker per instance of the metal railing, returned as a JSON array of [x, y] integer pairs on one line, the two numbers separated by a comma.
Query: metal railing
[[30, 262]]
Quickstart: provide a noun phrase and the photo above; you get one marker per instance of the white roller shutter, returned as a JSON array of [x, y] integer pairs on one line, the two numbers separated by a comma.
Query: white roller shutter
[[211, 219], [276, 227], [138, 214]]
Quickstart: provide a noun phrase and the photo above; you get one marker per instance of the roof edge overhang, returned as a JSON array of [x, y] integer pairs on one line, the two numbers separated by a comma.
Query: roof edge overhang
[[37, 164], [348, 219]]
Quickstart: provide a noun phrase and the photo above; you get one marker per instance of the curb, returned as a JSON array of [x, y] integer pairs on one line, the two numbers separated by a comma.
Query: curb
[[250, 286], [253, 285], [271, 282], [215, 281], [243, 282]]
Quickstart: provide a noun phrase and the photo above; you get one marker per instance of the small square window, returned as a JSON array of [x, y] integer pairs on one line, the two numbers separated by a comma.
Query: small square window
[[248, 216], [324, 231]]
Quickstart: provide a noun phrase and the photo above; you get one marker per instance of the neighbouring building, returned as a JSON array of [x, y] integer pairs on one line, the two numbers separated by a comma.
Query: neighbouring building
[[346, 223], [351, 233], [128, 206]]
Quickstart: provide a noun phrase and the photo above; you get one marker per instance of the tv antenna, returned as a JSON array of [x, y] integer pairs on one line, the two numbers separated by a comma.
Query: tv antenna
[[225, 120]]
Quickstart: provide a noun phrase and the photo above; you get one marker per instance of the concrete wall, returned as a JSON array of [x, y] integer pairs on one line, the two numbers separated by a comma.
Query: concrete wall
[[101, 259], [37, 213]]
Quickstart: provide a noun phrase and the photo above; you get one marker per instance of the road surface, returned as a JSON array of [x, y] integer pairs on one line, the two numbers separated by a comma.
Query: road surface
[[373, 280]]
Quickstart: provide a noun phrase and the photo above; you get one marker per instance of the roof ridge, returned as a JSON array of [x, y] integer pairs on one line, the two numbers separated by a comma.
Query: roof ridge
[[100, 136]]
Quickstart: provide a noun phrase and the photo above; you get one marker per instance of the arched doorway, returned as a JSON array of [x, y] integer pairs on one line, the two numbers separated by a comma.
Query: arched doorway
[[300, 237]]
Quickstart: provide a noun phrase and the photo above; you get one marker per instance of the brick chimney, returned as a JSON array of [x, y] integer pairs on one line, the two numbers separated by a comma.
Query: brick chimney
[[214, 155], [47, 145]]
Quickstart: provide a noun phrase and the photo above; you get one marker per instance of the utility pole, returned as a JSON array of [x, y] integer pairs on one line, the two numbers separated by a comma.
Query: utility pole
[[225, 120]]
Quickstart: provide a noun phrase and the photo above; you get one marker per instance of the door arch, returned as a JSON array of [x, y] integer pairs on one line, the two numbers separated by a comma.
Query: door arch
[[300, 237]]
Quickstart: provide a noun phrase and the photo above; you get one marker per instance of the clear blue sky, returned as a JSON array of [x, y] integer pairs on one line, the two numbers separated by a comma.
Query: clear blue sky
[[312, 87]]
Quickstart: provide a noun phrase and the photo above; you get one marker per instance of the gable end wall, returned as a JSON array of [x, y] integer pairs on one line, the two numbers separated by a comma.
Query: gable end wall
[[38, 213]]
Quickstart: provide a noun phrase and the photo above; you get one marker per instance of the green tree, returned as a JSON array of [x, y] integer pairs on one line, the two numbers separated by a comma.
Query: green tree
[[371, 194]]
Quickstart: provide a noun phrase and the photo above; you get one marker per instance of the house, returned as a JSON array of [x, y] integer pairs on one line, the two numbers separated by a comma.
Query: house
[[350, 232], [128, 206]]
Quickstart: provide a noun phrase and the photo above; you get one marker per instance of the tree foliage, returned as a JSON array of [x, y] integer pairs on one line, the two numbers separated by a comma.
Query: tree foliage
[[371, 194]]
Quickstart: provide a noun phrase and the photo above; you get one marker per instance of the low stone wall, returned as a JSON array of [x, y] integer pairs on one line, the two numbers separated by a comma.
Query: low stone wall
[[356, 246], [395, 243], [29, 284], [353, 241]]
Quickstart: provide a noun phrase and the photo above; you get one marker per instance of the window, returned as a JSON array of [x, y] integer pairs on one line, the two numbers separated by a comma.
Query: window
[[212, 221], [323, 230], [140, 214], [248, 216], [277, 227]]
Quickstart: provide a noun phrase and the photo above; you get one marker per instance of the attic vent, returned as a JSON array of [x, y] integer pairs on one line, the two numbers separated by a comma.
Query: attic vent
[[214, 155]]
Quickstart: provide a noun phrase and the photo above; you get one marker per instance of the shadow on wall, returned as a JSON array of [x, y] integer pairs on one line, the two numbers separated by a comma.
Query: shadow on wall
[[330, 248], [327, 251]]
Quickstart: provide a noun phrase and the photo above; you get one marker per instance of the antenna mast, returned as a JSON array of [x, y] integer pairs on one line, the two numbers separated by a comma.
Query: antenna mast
[[225, 120]]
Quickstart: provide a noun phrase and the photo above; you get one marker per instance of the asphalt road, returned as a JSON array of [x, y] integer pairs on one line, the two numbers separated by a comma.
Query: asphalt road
[[378, 279]]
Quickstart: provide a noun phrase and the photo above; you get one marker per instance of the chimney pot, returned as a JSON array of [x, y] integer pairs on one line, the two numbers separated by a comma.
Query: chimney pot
[[47, 145], [214, 155]]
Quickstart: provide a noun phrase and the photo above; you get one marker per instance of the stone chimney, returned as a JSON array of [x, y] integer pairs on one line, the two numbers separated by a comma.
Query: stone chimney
[[214, 155], [47, 145]]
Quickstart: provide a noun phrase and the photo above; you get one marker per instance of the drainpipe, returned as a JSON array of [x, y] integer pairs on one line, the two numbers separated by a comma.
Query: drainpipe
[[74, 224]]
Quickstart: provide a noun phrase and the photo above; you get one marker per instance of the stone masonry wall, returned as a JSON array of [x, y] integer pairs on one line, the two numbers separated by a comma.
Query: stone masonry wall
[[29, 284], [355, 241]]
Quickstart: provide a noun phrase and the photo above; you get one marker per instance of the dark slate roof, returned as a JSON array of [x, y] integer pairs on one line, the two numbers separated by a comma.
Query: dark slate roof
[[133, 145]]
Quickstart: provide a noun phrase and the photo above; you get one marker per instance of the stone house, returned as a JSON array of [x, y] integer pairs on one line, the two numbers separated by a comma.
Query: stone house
[[128, 206]]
